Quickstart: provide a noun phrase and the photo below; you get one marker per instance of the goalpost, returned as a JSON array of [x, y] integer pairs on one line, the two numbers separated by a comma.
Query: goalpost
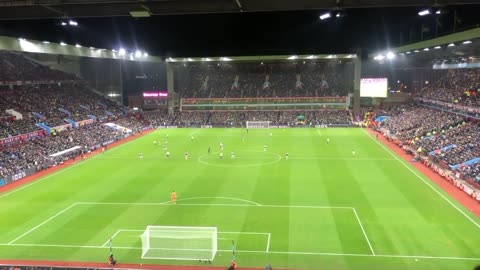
[[258, 124], [179, 243]]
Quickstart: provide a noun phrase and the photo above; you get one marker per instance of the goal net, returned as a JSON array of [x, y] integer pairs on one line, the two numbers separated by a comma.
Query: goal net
[[179, 243], [258, 124]]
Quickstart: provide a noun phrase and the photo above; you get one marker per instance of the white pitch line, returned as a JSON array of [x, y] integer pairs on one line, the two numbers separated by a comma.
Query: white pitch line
[[224, 198], [241, 158], [319, 133], [270, 252], [268, 243], [423, 180], [39, 225], [363, 230], [216, 204], [132, 230], [113, 236]]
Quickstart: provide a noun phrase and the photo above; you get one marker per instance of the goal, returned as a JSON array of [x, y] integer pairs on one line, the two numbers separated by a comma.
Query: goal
[[179, 243], [258, 124]]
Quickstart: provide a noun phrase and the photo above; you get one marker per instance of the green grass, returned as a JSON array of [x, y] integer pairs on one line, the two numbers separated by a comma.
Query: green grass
[[321, 209]]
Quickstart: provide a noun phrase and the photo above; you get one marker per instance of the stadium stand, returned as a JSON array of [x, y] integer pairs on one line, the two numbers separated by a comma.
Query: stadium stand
[[264, 80], [59, 99], [458, 86]]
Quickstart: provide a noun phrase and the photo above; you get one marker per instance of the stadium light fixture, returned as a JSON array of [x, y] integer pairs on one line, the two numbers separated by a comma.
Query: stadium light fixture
[[293, 57], [437, 47], [114, 51], [145, 54], [63, 23], [225, 59], [46, 42], [424, 12], [416, 51], [467, 42], [138, 54], [438, 12], [379, 57], [72, 23], [426, 49], [21, 39], [92, 48], [451, 45], [408, 52], [390, 55], [122, 51], [78, 45], [325, 16], [63, 43]]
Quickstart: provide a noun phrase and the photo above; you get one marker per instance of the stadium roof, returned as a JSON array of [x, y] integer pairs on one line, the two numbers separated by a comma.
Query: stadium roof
[[457, 48], [262, 58], [76, 50], [41, 9]]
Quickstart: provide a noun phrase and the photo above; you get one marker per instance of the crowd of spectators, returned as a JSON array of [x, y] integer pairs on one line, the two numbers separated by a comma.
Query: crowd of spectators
[[51, 104], [158, 118], [417, 121], [191, 118], [239, 118], [16, 67], [458, 86], [447, 137], [35, 153], [266, 80]]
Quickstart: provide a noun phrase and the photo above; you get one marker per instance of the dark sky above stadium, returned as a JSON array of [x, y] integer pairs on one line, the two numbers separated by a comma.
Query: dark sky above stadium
[[262, 33]]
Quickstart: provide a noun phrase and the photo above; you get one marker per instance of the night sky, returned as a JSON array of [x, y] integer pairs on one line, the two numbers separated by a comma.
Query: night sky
[[261, 33]]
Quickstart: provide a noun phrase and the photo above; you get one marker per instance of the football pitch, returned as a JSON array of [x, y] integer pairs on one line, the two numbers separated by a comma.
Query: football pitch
[[323, 208]]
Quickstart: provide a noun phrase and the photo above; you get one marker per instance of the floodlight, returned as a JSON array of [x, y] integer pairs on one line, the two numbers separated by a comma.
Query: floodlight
[[379, 57], [451, 45], [426, 49], [145, 54], [438, 12], [78, 45], [72, 23], [437, 47], [45, 42], [138, 54], [424, 12], [325, 16], [390, 55], [416, 51], [293, 57], [21, 39], [113, 50], [122, 51], [467, 42], [92, 48], [338, 15], [63, 44], [408, 52], [64, 23]]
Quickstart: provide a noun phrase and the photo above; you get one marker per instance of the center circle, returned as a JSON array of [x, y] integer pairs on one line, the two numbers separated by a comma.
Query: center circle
[[242, 159]]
